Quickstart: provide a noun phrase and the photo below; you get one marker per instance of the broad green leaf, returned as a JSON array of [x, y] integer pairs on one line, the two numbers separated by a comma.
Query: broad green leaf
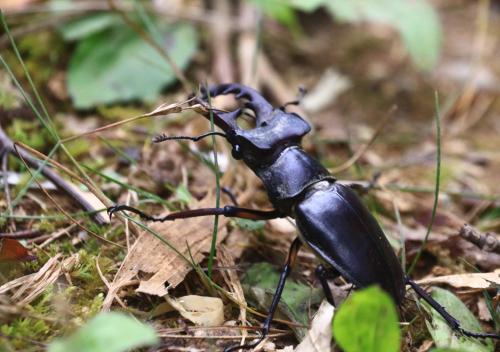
[[446, 350], [85, 26], [367, 321], [279, 10], [107, 332], [416, 21], [260, 283], [117, 65], [444, 336]]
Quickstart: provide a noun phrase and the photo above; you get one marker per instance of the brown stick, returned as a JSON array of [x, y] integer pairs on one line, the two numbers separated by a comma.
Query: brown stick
[[8, 145], [486, 241]]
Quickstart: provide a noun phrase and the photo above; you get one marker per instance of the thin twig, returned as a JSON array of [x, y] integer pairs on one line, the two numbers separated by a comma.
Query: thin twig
[[5, 159], [21, 235]]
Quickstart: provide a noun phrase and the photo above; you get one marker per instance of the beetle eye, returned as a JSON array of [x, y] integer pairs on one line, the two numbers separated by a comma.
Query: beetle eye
[[236, 152]]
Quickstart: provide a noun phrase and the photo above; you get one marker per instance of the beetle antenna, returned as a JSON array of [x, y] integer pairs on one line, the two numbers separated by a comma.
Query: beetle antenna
[[300, 97], [163, 137]]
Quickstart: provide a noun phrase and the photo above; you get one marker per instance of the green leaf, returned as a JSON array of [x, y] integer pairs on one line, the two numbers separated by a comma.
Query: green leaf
[[260, 283], [182, 193], [367, 321], [443, 335], [250, 225], [416, 21], [107, 332], [446, 350], [85, 26], [280, 11], [117, 65]]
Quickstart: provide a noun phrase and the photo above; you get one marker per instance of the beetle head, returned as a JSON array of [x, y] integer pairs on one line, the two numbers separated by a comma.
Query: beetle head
[[274, 128]]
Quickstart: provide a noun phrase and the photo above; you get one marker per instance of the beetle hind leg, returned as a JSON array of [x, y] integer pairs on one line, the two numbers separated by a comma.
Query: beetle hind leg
[[452, 321]]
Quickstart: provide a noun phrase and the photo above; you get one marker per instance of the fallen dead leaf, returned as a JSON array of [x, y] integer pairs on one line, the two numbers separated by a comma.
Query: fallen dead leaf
[[482, 310], [319, 336], [201, 310], [476, 280], [12, 250], [151, 256]]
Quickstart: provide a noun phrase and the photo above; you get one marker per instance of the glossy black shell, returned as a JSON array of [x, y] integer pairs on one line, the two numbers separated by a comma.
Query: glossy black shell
[[341, 231], [286, 177]]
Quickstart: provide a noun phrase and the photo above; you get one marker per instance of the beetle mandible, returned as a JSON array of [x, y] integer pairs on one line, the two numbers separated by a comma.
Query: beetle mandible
[[331, 219]]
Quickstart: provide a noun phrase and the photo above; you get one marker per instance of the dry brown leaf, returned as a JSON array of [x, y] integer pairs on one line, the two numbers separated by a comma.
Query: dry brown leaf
[[151, 256], [319, 336], [201, 310], [476, 280], [482, 310]]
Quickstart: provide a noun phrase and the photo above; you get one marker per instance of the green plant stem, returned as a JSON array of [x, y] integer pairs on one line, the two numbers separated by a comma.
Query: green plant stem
[[436, 189], [217, 194]]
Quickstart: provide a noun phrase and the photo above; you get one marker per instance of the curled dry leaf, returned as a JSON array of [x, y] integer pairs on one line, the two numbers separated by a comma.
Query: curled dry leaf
[[201, 310], [476, 280], [319, 336]]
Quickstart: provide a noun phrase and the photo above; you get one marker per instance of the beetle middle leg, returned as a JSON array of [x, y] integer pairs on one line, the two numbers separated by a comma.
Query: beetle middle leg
[[285, 271], [323, 274]]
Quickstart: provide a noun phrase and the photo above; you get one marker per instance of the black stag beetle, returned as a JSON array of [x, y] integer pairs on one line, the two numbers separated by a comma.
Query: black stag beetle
[[331, 219]]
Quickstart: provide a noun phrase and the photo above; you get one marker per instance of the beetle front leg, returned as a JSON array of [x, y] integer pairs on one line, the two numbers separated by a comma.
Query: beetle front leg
[[285, 271], [227, 211]]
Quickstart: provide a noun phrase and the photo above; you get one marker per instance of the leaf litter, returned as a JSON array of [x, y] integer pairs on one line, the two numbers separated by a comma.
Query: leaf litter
[[403, 154]]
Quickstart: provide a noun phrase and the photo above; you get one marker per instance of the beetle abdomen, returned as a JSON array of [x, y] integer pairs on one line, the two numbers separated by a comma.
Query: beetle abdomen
[[337, 226]]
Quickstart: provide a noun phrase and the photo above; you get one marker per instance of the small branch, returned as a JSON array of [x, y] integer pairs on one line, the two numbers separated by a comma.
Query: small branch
[[21, 235], [487, 241], [68, 188]]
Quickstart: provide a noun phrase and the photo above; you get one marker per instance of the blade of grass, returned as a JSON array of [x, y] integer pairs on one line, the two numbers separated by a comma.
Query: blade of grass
[[436, 189], [130, 187], [211, 256]]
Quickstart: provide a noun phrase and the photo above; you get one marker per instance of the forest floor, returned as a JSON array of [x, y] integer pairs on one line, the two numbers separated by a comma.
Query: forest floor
[[373, 113]]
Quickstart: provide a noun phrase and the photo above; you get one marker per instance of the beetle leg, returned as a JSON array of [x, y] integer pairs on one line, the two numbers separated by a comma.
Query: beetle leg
[[230, 194], [285, 271], [452, 321], [323, 274], [227, 211]]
